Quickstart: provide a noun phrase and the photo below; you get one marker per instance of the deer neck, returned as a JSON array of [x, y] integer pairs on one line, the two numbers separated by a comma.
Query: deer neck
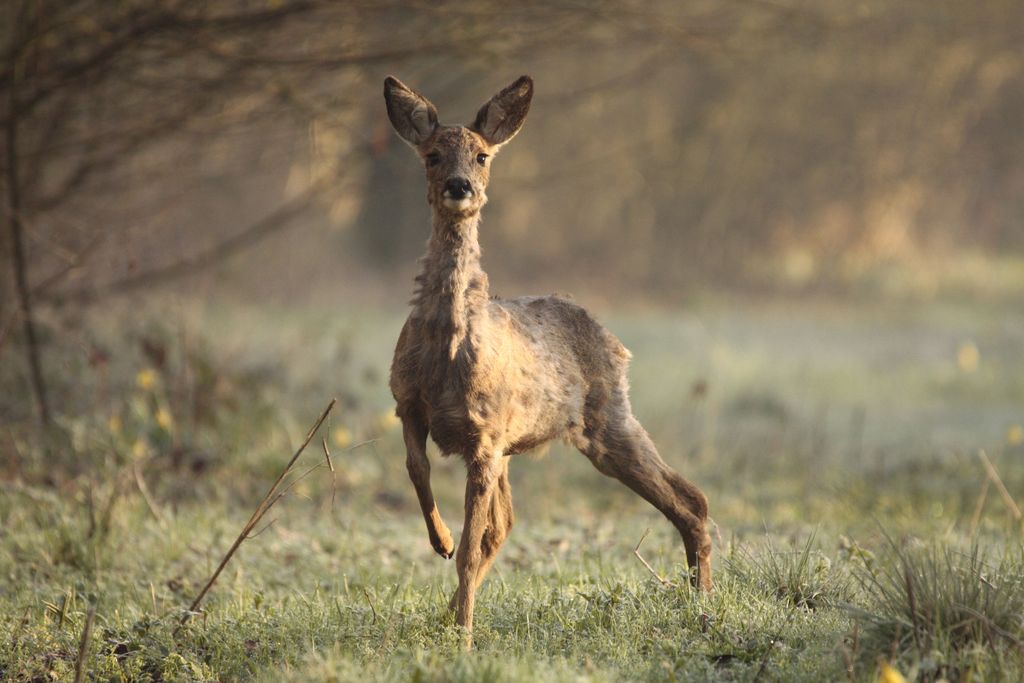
[[452, 288]]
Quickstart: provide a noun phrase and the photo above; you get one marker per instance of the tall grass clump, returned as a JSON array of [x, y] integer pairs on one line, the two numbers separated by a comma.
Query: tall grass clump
[[803, 576], [944, 612]]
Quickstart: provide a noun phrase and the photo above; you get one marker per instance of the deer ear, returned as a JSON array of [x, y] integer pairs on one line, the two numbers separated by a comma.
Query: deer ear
[[412, 114], [501, 118]]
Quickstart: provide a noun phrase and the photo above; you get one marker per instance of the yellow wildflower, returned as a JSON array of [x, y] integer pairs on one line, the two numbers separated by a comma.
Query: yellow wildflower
[[114, 424], [968, 357], [341, 437], [388, 420], [139, 448], [164, 419], [145, 379], [1015, 435], [887, 674]]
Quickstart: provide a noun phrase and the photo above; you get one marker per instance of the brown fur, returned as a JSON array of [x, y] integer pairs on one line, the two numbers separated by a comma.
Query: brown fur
[[489, 378]]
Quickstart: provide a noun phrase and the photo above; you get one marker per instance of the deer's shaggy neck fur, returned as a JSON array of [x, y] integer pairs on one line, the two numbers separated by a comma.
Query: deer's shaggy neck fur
[[452, 288]]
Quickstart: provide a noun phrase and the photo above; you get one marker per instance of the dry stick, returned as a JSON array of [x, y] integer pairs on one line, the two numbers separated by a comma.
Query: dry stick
[[319, 465], [636, 551], [994, 476], [268, 501], [150, 503], [260, 532], [299, 478], [83, 646], [334, 478], [979, 506], [327, 453]]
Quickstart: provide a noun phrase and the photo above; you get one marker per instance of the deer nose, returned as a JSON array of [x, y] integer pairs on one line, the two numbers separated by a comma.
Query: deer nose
[[458, 188]]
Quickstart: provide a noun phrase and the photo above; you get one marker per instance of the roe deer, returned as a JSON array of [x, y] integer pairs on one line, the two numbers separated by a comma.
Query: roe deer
[[489, 377]]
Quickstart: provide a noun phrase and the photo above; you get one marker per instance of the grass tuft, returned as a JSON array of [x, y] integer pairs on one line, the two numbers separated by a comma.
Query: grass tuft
[[803, 576], [943, 611]]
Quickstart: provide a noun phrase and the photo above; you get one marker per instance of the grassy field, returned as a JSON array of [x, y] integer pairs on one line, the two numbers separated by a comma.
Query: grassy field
[[855, 524]]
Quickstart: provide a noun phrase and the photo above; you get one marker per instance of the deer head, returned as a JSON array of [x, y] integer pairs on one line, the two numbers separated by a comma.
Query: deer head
[[457, 159]]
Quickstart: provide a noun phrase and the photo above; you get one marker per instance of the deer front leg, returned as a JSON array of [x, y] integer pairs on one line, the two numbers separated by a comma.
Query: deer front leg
[[481, 481], [499, 523], [414, 430]]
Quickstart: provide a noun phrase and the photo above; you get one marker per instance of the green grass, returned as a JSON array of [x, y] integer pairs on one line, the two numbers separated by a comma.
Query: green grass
[[836, 444]]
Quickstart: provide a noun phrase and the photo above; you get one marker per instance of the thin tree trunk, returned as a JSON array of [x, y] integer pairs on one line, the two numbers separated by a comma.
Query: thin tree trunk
[[15, 226]]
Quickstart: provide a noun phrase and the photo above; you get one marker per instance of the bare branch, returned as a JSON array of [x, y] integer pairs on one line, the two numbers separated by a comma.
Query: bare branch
[[258, 231]]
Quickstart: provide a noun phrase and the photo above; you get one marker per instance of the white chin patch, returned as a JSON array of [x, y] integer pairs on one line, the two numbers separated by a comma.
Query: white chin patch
[[458, 204]]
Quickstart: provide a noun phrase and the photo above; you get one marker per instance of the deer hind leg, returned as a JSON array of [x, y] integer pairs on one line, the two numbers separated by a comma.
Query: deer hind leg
[[414, 430], [481, 484], [499, 523], [621, 448]]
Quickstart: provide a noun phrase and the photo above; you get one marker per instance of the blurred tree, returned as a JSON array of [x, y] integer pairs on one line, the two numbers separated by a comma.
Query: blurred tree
[[89, 89]]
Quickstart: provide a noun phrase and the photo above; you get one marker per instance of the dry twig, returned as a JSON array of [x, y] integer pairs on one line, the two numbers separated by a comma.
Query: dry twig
[[994, 476], [140, 481], [636, 551], [271, 497], [334, 477], [979, 506]]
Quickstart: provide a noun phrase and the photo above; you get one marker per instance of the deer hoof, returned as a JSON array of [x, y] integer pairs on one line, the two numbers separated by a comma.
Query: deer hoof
[[444, 545]]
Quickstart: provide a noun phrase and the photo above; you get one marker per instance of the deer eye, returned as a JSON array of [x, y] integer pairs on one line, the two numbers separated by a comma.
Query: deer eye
[[433, 159], [481, 158]]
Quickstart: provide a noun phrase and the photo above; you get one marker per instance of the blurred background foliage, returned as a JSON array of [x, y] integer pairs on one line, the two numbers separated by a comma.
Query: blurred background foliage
[[739, 143], [161, 153]]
